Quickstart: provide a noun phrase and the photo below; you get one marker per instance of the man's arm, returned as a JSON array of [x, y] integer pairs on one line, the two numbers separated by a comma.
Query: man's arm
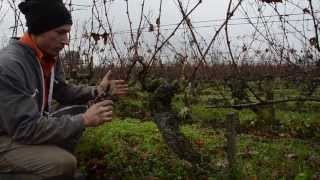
[[20, 115]]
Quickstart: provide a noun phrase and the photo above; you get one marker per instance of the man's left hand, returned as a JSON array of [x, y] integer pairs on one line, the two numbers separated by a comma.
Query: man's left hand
[[113, 87]]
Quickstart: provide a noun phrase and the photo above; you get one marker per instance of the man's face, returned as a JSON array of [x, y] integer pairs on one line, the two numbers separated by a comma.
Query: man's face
[[53, 41]]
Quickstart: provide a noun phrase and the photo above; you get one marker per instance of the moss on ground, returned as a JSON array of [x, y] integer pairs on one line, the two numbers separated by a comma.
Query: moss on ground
[[130, 149]]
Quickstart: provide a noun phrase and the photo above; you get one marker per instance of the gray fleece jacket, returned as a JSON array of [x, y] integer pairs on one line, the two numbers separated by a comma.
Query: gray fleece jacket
[[21, 100]]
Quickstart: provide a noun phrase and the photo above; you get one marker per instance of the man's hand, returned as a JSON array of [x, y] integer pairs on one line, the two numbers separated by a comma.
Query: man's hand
[[113, 87], [98, 113]]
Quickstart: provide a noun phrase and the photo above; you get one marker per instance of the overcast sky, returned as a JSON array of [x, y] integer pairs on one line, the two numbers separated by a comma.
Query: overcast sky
[[207, 17]]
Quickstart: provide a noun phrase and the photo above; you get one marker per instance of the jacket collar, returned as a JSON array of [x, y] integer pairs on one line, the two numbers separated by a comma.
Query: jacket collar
[[26, 39]]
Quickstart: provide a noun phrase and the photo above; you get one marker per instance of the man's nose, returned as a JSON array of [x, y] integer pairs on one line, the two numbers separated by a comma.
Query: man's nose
[[65, 40]]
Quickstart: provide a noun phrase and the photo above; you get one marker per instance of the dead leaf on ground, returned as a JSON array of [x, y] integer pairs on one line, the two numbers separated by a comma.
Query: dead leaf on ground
[[253, 178], [199, 143]]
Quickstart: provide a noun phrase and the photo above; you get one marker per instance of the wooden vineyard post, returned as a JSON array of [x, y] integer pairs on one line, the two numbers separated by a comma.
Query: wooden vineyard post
[[231, 134]]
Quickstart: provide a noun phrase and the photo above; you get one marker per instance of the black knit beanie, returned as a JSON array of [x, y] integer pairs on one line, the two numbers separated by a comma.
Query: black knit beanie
[[44, 15]]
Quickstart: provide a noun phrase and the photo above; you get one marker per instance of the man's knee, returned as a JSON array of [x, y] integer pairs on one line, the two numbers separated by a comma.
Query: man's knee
[[43, 161], [65, 165]]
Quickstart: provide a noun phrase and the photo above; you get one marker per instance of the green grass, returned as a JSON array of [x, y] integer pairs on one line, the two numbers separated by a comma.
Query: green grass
[[274, 158], [131, 149], [134, 149]]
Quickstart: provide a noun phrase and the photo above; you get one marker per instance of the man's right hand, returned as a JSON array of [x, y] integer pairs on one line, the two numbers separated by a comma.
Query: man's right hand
[[98, 113]]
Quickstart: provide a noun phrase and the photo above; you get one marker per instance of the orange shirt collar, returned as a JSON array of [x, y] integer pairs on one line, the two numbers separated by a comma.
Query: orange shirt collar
[[26, 39]]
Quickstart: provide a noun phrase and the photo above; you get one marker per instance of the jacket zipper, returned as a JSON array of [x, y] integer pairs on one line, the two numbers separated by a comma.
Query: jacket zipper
[[51, 89], [42, 82]]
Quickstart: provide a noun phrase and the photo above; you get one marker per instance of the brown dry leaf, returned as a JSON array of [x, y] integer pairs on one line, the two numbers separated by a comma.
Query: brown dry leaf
[[151, 28], [95, 36], [313, 41], [306, 11], [253, 178], [158, 21], [244, 48], [105, 37], [199, 142]]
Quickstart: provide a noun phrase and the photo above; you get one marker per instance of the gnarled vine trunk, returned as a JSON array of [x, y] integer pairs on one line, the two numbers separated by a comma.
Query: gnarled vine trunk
[[168, 123]]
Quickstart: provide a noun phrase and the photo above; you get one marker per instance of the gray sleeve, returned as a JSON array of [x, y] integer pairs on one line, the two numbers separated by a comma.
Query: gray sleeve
[[69, 94], [21, 119]]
